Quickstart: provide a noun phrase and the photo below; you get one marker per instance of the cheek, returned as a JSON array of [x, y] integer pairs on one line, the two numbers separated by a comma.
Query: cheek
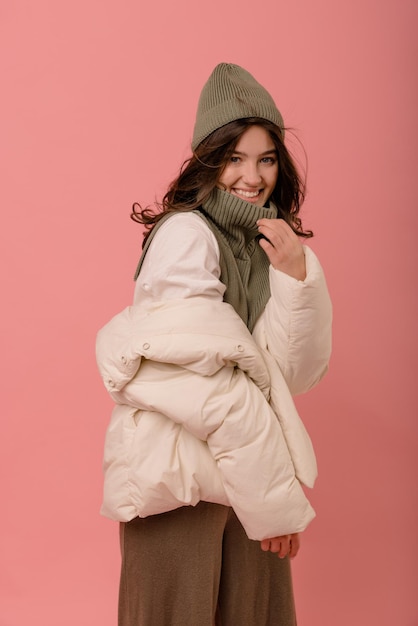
[[225, 178]]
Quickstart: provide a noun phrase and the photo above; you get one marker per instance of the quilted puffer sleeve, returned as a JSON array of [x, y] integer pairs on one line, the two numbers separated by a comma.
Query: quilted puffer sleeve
[[230, 413], [213, 382], [297, 325], [256, 467]]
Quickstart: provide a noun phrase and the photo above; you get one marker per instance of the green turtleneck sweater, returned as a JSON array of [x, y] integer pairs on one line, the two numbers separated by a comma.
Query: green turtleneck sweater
[[243, 263]]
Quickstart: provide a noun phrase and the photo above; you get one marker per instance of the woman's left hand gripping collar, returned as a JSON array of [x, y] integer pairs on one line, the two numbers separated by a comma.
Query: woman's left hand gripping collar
[[283, 247]]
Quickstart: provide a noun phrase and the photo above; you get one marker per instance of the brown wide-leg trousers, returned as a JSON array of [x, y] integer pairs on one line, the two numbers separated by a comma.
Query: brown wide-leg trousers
[[195, 566]]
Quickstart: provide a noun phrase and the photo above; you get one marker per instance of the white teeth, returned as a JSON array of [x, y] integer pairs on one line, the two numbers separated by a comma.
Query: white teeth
[[246, 194]]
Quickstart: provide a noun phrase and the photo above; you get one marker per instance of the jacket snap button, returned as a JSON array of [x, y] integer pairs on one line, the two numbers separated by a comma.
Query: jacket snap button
[[145, 346], [123, 359], [240, 348], [110, 383]]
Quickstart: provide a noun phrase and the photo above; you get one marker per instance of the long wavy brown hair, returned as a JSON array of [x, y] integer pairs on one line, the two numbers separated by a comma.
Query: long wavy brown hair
[[201, 172]]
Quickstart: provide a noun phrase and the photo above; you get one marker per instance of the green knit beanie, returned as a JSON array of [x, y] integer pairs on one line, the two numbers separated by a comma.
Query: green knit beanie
[[231, 93]]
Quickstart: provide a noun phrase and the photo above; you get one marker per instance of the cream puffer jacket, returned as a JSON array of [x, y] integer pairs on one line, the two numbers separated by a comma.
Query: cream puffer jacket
[[204, 409]]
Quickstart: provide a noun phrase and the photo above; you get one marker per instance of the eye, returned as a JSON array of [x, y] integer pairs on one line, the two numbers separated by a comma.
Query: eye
[[268, 160], [234, 159]]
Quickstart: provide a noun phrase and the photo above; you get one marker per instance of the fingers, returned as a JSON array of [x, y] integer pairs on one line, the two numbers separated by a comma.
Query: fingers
[[278, 234], [283, 248], [294, 545], [276, 229], [265, 545], [286, 545]]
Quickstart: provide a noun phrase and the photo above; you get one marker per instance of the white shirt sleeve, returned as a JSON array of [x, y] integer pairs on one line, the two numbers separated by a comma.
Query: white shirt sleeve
[[182, 261]]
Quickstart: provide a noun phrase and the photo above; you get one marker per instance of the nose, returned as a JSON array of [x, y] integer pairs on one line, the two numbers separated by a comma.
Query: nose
[[251, 175]]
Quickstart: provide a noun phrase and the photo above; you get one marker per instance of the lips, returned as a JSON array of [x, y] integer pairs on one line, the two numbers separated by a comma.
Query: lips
[[246, 194]]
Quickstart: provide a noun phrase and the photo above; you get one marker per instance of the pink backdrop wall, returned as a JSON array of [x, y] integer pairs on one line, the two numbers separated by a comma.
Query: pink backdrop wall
[[97, 107]]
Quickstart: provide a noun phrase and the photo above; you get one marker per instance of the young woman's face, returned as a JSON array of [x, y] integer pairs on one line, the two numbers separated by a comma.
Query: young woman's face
[[252, 170]]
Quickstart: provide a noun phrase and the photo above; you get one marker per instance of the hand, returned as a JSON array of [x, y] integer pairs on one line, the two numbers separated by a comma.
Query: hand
[[283, 248], [286, 545]]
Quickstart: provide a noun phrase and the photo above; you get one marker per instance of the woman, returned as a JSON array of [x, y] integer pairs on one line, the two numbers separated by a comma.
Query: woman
[[205, 453]]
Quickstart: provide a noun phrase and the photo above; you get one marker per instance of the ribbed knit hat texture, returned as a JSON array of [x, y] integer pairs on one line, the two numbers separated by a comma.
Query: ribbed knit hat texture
[[231, 93]]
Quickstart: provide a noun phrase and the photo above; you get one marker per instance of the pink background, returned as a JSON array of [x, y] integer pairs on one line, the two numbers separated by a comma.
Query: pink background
[[97, 107]]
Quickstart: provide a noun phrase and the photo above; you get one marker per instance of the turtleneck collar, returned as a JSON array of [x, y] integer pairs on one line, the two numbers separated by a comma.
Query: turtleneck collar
[[235, 217]]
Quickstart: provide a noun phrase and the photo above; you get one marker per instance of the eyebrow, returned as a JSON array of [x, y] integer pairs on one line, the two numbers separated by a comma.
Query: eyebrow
[[274, 151]]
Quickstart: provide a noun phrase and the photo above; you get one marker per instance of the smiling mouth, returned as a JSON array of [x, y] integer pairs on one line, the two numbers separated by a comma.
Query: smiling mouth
[[248, 195]]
